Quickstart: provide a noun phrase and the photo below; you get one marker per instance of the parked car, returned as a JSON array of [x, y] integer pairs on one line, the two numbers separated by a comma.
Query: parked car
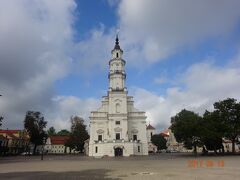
[[26, 153], [163, 151]]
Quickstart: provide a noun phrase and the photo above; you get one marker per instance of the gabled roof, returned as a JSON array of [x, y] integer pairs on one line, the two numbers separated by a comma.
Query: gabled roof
[[58, 140], [150, 127]]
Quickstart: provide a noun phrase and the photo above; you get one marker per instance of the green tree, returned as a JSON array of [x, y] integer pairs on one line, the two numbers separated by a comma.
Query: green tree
[[212, 131], [228, 111], [185, 126], [51, 131], [1, 118], [34, 123], [159, 141], [64, 132], [78, 134], [70, 143]]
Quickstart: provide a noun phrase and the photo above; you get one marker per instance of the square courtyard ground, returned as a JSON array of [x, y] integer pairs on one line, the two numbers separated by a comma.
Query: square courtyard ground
[[161, 166]]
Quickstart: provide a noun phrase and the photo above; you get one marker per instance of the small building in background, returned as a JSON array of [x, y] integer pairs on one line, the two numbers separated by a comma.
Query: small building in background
[[172, 144], [150, 132], [13, 141], [3, 145], [227, 144], [56, 145]]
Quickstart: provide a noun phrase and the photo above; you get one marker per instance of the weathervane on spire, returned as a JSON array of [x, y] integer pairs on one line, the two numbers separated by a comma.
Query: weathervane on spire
[[117, 40], [117, 32]]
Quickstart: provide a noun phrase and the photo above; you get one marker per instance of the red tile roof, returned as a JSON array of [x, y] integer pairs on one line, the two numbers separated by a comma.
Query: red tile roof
[[9, 131], [150, 127], [58, 140], [165, 133]]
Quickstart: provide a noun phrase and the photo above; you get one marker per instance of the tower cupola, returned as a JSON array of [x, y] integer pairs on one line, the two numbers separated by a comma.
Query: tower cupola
[[117, 73], [117, 51]]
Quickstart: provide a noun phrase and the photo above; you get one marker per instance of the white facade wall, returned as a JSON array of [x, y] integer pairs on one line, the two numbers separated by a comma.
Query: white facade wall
[[117, 115], [107, 149], [150, 133], [55, 148]]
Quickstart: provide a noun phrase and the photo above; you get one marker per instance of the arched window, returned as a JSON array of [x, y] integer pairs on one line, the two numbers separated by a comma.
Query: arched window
[[117, 108], [117, 55]]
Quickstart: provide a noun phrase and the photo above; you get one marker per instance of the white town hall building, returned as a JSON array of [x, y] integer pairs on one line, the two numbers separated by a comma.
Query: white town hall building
[[117, 128]]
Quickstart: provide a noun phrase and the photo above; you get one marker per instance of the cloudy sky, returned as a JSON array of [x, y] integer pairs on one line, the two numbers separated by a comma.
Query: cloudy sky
[[54, 56]]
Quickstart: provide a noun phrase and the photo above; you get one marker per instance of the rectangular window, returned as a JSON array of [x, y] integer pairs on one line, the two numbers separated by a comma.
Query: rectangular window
[[135, 137], [100, 137], [96, 149], [117, 136], [138, 148], [117, 122]]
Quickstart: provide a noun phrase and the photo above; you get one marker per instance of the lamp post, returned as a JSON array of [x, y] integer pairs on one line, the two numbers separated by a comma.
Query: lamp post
[[44, 142]]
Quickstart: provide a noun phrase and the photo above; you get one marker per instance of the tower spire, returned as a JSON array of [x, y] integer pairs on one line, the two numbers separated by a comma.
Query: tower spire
[[117, 46], [117, 40]]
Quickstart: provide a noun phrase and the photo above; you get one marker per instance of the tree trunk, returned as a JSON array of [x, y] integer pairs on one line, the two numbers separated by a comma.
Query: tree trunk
[[204, 151], [223, 151], [233, 145], [195, 150], [215, 151], [34, 150]]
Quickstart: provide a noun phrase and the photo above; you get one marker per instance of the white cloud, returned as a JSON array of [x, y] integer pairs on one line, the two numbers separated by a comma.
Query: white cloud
[[161, 80], [36, 37], [204, 84], [153, 30], [67, 106], [93, 53], [159, 28]]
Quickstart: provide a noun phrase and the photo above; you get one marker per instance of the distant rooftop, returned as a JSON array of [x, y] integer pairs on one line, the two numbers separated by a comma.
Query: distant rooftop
[[59, 140], [150, 127], [165, 133], [9, 131]]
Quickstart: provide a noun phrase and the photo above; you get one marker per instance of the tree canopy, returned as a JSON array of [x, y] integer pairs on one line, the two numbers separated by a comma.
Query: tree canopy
[[78, 134], [228, 111], [51, 131], [209, 130], [185, 128], [159, 141], [64, 132], [34, 123], [212, 131]]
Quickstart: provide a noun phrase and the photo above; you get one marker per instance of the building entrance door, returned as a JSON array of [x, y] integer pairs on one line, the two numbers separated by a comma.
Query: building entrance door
[[118, 151]]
